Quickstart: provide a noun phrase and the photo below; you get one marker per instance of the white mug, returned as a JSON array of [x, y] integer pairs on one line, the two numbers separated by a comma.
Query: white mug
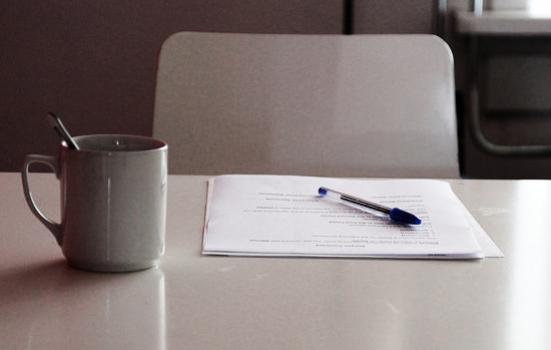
[[113, 201]]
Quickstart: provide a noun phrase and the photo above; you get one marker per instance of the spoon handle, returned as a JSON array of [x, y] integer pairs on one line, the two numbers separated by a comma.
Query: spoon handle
[[60, 129]]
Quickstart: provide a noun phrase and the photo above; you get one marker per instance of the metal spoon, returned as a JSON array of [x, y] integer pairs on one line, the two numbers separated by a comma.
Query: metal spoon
[[58, 126]]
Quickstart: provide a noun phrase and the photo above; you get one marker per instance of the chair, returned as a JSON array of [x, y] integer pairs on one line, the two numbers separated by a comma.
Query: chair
[[326, 105], [520, 32]]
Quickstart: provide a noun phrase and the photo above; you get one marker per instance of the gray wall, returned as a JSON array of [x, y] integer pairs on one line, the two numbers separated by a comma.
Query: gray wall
[[94, 61], [394, 16]]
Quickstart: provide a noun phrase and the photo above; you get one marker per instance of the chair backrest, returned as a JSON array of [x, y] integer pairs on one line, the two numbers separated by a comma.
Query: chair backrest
[[327, 105]]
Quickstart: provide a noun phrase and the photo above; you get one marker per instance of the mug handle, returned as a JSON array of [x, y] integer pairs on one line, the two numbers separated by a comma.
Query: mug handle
[[53, 163]]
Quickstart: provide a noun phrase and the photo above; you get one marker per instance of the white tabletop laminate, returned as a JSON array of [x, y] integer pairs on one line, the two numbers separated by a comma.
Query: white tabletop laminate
[[201, 302]]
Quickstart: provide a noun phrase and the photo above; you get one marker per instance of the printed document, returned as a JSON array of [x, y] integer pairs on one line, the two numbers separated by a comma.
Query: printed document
[[283, 216]]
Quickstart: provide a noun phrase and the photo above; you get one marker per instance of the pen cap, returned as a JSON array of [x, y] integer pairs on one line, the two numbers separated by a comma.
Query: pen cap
[[404, 217]]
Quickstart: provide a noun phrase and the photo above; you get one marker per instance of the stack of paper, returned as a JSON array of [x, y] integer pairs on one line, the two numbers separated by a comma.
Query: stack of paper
[[283, 216]]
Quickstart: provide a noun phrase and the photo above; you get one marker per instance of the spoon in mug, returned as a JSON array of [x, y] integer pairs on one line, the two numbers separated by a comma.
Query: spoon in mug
[[60, 129]]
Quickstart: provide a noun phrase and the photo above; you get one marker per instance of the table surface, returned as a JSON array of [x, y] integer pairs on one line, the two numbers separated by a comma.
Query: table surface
[[201, 302], [512, 22]]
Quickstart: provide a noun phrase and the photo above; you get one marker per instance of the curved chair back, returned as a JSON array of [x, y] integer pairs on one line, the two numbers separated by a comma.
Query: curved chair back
[[327, 105]]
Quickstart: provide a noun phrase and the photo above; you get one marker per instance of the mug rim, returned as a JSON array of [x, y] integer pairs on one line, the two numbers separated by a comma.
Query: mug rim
[[156, 144]]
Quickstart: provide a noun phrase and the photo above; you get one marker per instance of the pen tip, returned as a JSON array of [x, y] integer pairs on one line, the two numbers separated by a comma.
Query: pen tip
[[404, 217], [322, 191]]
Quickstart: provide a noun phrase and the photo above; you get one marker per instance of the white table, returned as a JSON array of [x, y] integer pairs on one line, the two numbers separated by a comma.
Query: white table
[[200, 302]]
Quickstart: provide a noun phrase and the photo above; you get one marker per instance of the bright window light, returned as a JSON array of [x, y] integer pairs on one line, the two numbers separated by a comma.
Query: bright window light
[[539, 7]]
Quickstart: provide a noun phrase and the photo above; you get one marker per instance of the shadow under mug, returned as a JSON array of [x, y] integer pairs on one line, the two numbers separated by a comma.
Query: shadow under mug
[[113, 201]]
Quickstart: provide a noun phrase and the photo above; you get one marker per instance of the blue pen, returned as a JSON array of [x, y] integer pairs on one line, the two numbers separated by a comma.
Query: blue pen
[[395, 214]]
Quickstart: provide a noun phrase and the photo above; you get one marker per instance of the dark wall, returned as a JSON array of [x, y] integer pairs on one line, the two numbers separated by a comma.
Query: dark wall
[[394, 16], [94, 61]]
